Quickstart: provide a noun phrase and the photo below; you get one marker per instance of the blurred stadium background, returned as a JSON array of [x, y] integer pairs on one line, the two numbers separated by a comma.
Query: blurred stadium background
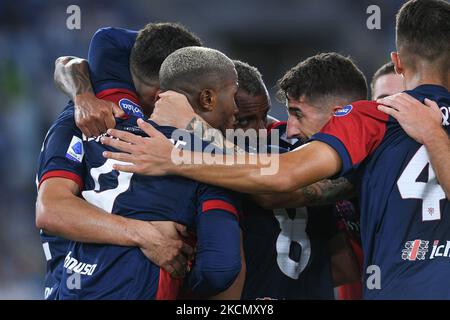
[[272, 35]]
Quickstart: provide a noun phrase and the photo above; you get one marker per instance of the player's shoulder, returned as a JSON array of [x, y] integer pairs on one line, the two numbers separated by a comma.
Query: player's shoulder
[[114, 34], [66, 117], [361, 108], [365, 104], [113, 31]]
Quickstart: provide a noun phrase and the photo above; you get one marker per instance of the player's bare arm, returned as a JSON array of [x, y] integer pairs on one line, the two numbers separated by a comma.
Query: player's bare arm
[[152, 156], [61, 212], [320, 193], [173, 109], [72, 76], [92, 115], [423, 123]]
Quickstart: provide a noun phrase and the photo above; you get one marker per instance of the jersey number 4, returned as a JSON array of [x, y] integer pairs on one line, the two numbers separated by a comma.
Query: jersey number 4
[[105, 199], [429, 192]]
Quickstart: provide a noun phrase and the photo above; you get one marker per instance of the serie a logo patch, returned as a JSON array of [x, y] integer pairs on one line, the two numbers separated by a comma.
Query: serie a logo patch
[[75, 152]]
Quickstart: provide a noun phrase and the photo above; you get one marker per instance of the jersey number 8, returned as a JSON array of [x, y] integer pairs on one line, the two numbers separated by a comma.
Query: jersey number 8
[[293, 232], [105, 199]]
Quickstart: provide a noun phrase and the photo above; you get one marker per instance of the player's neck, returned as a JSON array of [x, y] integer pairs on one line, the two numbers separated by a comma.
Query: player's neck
[[425, 76]]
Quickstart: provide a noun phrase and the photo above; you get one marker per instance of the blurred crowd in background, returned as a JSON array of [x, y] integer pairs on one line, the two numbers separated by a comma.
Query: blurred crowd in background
[[271, 35]]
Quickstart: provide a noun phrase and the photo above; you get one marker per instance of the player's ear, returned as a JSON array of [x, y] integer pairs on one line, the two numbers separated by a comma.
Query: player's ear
[[208, 99], [157, 95], [397, 63]]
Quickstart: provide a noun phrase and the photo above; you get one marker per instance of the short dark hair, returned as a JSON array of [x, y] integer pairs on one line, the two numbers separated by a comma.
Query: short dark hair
[[250, 79], [386, 68], [325, 74], [154, 43], [423, 30]]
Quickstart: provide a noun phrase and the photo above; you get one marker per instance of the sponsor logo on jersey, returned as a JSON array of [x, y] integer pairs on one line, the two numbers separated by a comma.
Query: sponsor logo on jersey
[[74, 265], [344, 111], [438, 250], [75, 152], [131, 108], [415, 250], [418, 250]]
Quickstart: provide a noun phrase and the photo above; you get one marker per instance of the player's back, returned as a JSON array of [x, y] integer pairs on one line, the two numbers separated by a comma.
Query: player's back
[[287, 249], [116, 272], [410, 217], [287, 253], [405, 216]]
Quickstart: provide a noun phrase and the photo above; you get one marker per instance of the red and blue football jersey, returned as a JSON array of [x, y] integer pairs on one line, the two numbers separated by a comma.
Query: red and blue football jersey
[[405, 216], [287, 250], [61, 156], [104, 272], [108, 58], [116, 272]]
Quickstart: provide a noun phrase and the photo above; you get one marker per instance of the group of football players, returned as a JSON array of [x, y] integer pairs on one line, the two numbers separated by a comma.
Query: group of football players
[[357, 208]]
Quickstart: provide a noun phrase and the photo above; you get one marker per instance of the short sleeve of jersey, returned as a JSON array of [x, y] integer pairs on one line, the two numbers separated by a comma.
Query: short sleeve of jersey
[[109, 54], [62, 151], [355, 131], [215, 198]]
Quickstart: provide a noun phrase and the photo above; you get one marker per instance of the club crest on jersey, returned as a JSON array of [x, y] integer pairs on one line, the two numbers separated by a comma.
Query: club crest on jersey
[[75, 152], [131, 108], [344, 111]]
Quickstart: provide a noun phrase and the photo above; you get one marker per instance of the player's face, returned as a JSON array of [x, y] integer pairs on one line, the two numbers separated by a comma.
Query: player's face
[[304, 119], [146, 92], [224, 114], [387, 85], [252, 110]]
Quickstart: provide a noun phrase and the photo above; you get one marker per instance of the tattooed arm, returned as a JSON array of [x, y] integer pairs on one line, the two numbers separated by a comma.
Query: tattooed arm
[[173, 109], [320, 193], [204, 131], [92, 115], [72, 76]]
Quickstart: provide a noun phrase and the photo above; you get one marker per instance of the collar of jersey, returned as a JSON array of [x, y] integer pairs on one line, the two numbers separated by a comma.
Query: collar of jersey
[[431, 88], [163, 129]]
